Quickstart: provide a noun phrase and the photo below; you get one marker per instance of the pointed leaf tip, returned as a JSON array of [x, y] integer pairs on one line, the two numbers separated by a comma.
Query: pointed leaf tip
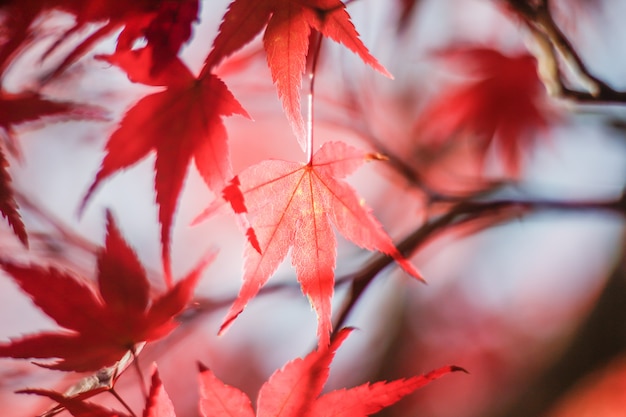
[[454, 368], [232, 193], [254, 242], [158, 403], [202, 367]]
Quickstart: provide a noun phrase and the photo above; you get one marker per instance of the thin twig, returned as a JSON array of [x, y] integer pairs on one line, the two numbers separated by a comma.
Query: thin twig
[[142, 381], [461, 213], [554, 44], [121, 401]]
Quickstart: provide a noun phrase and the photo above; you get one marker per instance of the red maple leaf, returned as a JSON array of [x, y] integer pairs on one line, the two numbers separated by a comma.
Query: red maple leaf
[[288, 25], [165, 25], [164, 30], [292, 205], [503, 102], [294, 391], [100, 327], [181, 123]]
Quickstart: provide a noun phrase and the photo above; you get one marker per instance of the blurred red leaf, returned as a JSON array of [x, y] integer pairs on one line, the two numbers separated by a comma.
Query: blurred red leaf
[[18, 109], [27, 107], [181, 123], [600, 394], [291, 204], [294, 391], [164, 24], [502, 103], [286, 40], [100, 327], [164, 31], [407, 7], [159, 403]]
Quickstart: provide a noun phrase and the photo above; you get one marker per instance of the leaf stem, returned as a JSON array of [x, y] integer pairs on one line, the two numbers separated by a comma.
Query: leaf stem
[[121, 401], [317, 45], [142, 381]]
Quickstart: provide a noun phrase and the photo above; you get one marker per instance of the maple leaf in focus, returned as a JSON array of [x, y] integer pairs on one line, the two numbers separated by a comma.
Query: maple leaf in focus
[[288, 26], [502, 103], [290, 204], [180, 123], [100, 328], [294, 391]]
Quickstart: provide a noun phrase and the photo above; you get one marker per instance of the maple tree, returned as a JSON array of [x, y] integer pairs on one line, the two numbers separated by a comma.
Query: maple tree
[[452, 148]]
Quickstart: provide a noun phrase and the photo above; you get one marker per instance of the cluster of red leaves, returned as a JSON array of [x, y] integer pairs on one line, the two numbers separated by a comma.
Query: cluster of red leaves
[[184, 121], [287, 204], [293, 391], [179, 123], [188, 125], [164, 24], [100, 328], [501, 102]]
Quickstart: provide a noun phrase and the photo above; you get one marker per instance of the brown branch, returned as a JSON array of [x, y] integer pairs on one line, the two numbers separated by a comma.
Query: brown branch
[[554, 46], [459, 214]]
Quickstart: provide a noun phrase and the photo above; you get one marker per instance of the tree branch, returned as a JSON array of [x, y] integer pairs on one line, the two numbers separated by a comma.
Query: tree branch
[[461, 213], [553, 46]]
